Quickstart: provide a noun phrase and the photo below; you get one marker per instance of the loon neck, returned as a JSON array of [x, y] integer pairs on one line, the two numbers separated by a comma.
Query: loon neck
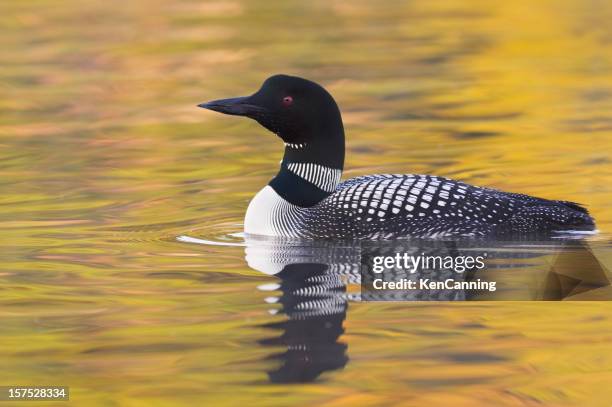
[[310, 172]]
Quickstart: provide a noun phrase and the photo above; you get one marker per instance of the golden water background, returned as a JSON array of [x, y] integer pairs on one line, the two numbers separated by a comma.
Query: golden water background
[[105, 160]]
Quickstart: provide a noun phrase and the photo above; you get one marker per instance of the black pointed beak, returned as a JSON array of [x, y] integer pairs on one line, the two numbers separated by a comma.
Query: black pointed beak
[[235, 106]]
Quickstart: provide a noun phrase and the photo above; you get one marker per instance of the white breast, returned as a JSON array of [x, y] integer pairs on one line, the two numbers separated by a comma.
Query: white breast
[[270, 215]]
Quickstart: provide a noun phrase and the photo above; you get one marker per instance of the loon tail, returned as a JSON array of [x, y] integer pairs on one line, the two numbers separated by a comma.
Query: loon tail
[[575, 206]]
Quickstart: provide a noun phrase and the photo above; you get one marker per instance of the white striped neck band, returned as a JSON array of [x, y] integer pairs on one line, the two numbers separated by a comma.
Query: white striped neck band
[[323, 177], [296, 146]]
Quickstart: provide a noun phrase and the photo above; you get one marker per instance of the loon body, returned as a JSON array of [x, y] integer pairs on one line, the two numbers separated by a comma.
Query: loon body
[[307, 200]]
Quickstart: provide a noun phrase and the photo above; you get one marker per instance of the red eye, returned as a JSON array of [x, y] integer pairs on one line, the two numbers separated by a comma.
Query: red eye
[[287, 101]]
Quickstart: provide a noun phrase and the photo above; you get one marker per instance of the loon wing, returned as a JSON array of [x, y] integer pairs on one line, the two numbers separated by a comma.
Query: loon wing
[[390, 206]]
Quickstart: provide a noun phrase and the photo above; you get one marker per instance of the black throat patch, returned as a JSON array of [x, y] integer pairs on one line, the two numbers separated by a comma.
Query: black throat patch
[[295, 189]]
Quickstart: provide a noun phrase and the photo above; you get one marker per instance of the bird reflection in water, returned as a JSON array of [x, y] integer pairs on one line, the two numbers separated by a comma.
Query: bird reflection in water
[[313, 282], [315, 305], [313, 297]]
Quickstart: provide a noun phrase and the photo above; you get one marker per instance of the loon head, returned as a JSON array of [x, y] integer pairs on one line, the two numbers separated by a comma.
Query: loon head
[[299, 111]]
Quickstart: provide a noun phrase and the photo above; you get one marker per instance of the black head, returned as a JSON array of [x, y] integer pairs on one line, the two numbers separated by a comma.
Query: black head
[[297, 110]]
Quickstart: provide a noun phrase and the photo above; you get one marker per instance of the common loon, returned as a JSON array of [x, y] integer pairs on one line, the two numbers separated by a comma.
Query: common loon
[[307, 200]]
